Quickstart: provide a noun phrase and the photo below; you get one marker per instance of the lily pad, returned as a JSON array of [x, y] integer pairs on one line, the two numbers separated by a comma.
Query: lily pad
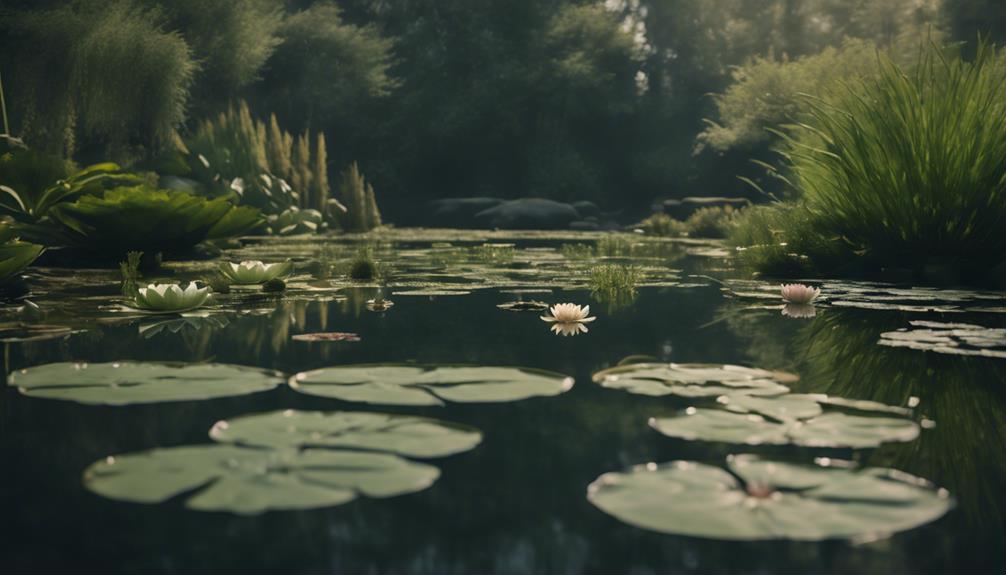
[[400, 434], [837, 430], [759, 500], [287, 460], [531, 305], [694, 380], [328, 336], [429, 385], [431, 292], [22, 333], [949, 338], [124, 383], [249, 481]]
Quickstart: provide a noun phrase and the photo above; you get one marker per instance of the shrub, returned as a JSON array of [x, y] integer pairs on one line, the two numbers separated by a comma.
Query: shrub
[[709, 222], [268, 167], [904, 169], [102, 75]]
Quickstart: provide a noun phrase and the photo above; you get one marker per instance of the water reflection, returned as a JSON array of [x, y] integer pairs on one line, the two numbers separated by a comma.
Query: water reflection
[[838, 353]]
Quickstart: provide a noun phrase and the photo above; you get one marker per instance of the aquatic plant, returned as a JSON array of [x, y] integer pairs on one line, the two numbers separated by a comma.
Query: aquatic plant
[[144, 219], [127, 382], [32, 182], [363, 266], [568, 313], [906, 169], [15, 255], [130, 272], [287, 460], [170, 298], [610, 278], [708, 222], [361, 213], [494, 253], [294, 220], [760, 499], [799, 293], [395, 384], [615, 245], [250, 272]]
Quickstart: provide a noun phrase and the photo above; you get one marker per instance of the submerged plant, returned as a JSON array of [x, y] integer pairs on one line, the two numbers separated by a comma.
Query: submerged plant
[[170, 298], [253, 272]]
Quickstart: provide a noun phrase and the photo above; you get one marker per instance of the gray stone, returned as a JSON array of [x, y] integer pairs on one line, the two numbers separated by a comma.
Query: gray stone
[[528, 214], [587, 209], [460, 212]]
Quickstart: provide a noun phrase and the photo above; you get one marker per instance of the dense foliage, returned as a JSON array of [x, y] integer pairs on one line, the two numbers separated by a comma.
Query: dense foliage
[[905, 169]]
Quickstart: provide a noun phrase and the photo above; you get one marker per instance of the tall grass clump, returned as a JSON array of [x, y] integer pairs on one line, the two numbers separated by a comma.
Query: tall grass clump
[[905, 170]]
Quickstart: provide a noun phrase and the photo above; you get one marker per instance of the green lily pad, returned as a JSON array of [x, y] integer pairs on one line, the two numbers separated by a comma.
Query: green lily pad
[[287, 460], [949, 338], [249, 481], [758, 500], [124, 383], [399, 434], [694, 380], [836, 430], [429, 385]]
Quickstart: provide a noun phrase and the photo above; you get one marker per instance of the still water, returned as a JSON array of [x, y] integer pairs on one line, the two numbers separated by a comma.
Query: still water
[[517, 503]]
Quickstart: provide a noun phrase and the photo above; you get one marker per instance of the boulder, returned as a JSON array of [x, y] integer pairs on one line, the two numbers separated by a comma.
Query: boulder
[[681, 209], [587, 209], [528, 214], [459, 212]]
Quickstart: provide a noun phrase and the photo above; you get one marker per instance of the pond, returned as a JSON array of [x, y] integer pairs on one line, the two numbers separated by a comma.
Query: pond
[[696, 425]]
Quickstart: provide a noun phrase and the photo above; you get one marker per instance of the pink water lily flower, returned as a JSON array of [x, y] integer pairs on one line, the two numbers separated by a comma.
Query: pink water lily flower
[[569, 313], [799, 293]]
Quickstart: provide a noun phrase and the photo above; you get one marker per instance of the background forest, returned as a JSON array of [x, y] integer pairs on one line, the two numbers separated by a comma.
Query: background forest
[[620, 103]]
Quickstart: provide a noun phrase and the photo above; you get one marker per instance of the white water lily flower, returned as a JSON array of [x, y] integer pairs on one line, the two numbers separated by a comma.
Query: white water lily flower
[[171, 297], [799, 310], [568, 328], [799, 293], [569, 313], [253, 272]]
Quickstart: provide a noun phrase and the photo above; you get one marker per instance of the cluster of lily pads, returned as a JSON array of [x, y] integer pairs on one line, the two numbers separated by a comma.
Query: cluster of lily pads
[[756, 498]]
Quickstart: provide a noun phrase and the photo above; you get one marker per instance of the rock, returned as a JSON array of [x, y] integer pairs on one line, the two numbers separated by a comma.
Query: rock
[[585, 226], [528, 214], [587, 209], [681, 209], [460, 212]]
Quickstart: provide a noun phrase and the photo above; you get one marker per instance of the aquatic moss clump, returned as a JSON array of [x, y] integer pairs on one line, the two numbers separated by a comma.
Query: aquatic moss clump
[[363, 266], [905, 170]]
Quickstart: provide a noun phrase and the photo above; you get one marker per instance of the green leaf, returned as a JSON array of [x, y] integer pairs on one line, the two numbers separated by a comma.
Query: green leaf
[[399, 434], [837, 430], [125, 383], [767, 500], [429, 385], [250, 481], [693, 380]]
